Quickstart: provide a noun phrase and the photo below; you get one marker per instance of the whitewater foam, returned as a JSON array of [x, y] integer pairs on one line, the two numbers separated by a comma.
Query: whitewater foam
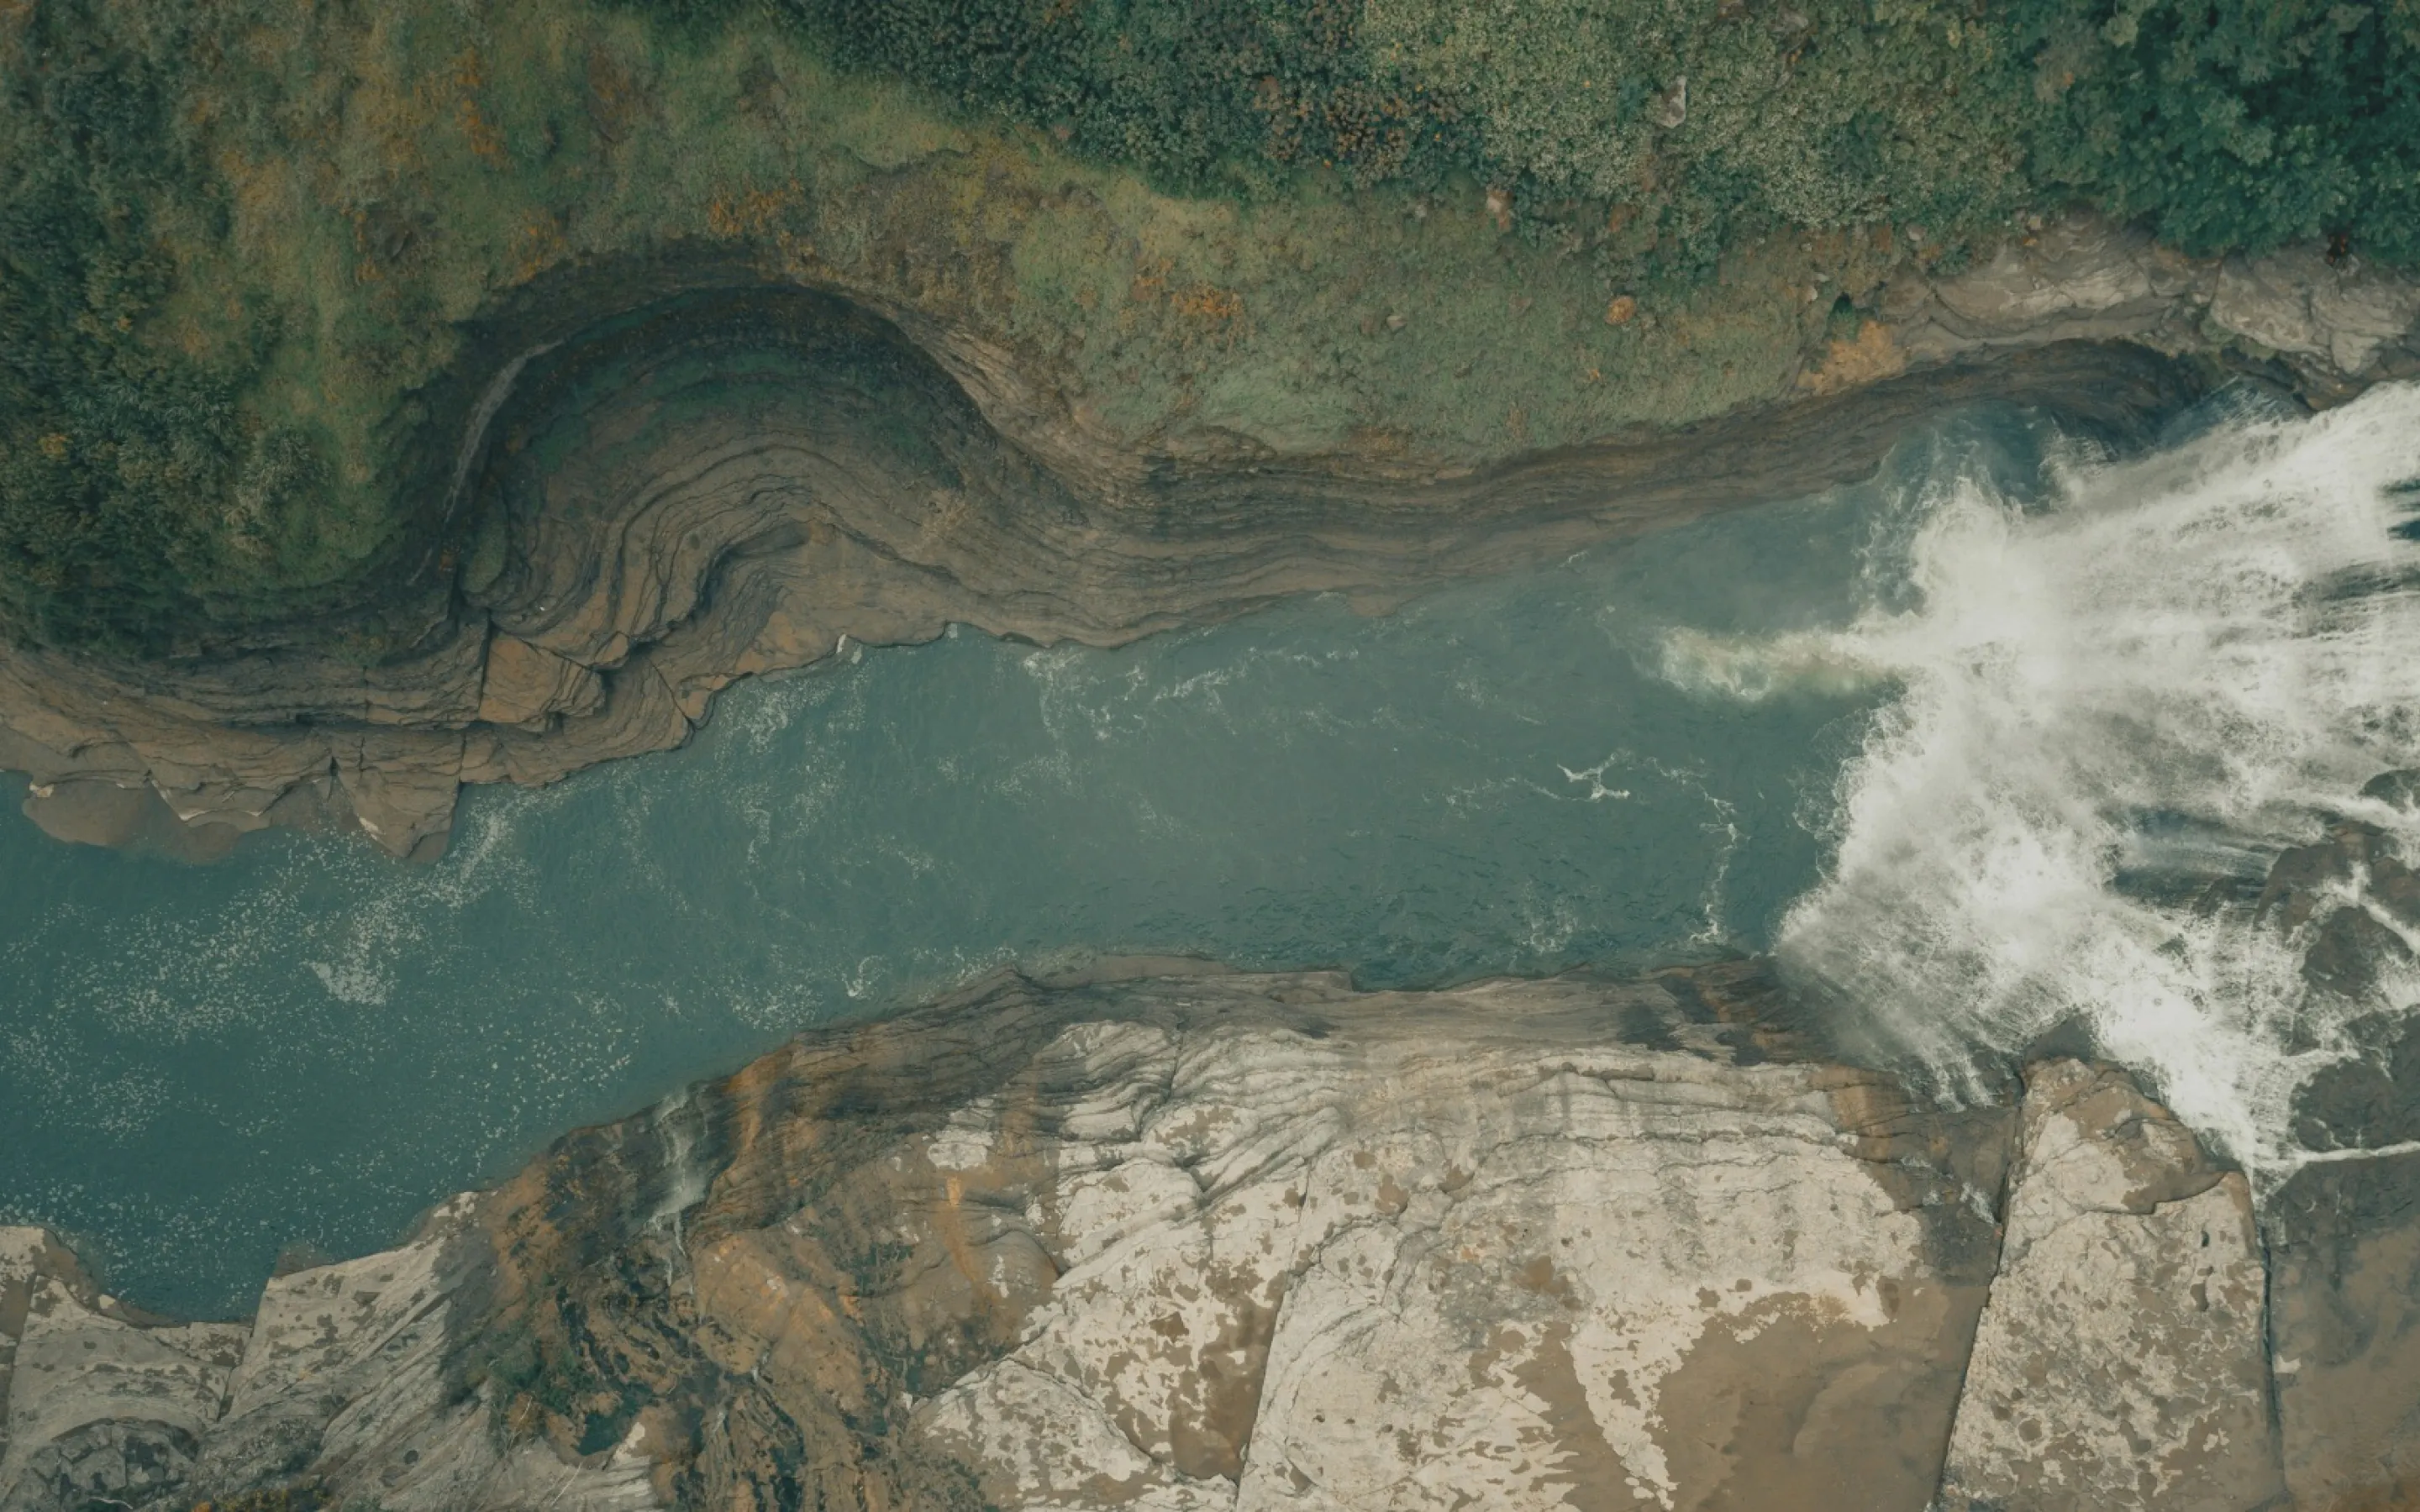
[[2223, 638]]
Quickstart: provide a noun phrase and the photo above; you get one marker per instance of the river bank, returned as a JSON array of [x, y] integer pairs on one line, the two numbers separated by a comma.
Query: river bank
[[1156, 1234], [725, 482]]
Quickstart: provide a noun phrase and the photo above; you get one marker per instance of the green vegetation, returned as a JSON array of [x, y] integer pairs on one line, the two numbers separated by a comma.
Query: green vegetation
[[1199, 97], [2238, 125], [2234, 126], [128, 476], [240, 239]]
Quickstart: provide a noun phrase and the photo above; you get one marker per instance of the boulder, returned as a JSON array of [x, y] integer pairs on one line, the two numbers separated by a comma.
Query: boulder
[[2122, 1361]]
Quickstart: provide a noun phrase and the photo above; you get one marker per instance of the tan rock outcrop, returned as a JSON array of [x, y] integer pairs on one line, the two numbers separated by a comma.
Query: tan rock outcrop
[[2122, 1361], [523, 684], [1175, 1240]]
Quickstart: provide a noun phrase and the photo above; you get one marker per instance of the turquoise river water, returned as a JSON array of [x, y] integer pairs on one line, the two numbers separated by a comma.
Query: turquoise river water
[[1810, 727]]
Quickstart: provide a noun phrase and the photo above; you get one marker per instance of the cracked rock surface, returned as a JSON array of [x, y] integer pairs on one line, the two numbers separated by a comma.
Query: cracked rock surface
[[2123, 1359], [1153, 1235]]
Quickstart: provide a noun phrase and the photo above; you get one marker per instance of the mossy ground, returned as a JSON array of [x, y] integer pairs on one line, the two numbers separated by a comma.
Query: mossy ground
[[247, 241]]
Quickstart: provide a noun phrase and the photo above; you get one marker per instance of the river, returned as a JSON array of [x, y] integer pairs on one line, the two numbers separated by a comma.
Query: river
[[1923, 738]]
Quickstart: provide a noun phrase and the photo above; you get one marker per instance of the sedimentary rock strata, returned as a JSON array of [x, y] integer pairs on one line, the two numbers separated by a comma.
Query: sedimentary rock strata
[[1161, 1236], [740, 476], [740, 484]]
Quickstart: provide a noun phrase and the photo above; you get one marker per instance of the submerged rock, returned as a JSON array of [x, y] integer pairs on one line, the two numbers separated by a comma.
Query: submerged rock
[[2344, 1240]]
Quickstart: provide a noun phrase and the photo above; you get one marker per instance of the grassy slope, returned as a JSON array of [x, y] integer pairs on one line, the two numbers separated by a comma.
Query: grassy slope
[[237, 237]]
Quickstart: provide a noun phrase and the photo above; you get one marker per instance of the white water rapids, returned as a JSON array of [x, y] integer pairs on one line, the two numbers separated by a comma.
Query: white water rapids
[[2224, 635]]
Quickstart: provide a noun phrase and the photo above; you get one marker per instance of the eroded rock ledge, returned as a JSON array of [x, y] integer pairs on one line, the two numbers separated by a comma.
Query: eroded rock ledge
[[1163, 1236], [734, 480]]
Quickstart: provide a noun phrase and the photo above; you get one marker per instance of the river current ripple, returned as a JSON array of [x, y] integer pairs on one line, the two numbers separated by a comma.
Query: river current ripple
[[1913, 737]]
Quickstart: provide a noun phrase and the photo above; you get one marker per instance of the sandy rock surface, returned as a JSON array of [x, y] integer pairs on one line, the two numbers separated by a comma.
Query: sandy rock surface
[[2123, 1358], [1152, 1235], [1422, 1272], [97, 1400]]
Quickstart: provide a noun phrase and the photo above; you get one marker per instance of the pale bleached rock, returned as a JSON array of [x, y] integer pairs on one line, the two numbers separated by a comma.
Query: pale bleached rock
[[335, 1354], [2122, 1360], [1624, 1301], [21, 1255], [97, 1405], [1410, 1269]]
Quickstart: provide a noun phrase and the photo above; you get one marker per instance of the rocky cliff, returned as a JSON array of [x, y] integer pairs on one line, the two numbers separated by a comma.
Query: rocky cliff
[[734, 475], [1166, 1237]]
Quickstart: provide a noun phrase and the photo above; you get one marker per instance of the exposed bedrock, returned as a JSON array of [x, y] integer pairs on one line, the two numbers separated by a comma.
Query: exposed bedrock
[[1162, 1237], [732, 483], [731, 479], [2122, 1360]]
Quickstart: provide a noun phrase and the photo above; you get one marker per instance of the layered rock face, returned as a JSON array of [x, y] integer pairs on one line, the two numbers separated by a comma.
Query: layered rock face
[[740, 483], [736, 479], [1167, 1238], [2332, 325]]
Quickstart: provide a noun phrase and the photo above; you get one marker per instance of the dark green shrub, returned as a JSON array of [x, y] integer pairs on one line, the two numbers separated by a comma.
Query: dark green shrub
[[126, 471], [2233, 124], [1186, 92]]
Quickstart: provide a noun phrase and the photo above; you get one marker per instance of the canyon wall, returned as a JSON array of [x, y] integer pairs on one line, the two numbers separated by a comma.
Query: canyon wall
[[741, 476], [1163, 1236]]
